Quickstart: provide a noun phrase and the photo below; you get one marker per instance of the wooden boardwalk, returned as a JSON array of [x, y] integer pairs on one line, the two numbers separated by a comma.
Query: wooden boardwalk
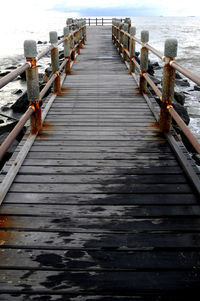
[[100, 209]]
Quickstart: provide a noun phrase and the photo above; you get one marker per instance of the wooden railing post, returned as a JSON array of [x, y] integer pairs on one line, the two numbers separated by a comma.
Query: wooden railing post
[[67, 50], [125, 43], [55, 60], [168, 80], [132, 49], [33, 91], [143, 61]]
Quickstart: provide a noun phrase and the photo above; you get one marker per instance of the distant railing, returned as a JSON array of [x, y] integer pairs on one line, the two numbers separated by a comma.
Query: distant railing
[[73, 39], [124, 38], [98, 21]]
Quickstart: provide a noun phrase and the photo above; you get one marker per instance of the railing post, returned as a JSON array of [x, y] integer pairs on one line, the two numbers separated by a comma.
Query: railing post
[[121, 26], [125, 43], [67, 50], [77, 38], [33, 90], [143, 61], [132, 49], [85, 32], [96, 21], [72, 46], [55, 60], [89, 21], [102, 21], [168, 80]]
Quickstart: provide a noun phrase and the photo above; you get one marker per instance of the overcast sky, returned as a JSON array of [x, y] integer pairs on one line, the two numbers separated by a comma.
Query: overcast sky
[[104, 7]]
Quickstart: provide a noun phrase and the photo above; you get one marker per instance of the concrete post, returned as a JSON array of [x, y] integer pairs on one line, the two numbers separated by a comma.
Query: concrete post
[[121, 27], [132, 49], [67, 50], [55, 60], [144, 61], [33, 90], [168, 80], [125, 43]]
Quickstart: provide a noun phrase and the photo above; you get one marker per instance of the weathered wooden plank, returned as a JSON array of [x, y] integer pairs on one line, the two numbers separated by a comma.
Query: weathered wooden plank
[[97, 282], [63, 240], [100, 156], [93, 225], [100, 179], [100, 149], [95, 260], [100, 199], [81, 170], [104, 187], [101, 211], [98, 163]]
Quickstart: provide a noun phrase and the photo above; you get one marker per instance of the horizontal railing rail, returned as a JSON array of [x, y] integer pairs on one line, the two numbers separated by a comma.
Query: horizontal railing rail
[[124, 38], [73, 40], [99, 21]]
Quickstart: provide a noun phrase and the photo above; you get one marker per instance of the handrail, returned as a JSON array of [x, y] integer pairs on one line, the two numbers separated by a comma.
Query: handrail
[[119, 37], [80, 36]]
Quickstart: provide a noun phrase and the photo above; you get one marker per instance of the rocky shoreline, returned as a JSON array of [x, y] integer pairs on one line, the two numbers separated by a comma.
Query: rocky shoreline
[[154, 71]]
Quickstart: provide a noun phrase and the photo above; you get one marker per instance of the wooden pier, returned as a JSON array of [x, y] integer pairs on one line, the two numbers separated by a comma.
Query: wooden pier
[[100, 208]]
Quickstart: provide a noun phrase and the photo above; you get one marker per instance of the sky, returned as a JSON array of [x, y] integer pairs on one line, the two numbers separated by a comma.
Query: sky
[[101, 7]]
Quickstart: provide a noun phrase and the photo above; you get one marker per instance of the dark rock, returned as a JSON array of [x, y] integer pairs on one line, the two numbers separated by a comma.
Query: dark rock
[[178, 76], [39, 42], [5, 131], [1, 121], [45, 42], [22, 103], [182, 82], [179, 97], [156, 66], [11, 68], [196, 158], [61, 55], [150, 69], [182, 111], [5, 108], [17, 91], [48, 71], [4, 73], [137, 53], [23, 76], [155, 80], [196, 88]]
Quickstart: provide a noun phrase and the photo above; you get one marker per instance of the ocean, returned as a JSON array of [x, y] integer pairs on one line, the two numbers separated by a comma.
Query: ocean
[[185, 29]]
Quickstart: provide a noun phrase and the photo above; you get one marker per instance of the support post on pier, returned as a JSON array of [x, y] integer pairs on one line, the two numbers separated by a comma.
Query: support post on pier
[[55, 60], [125, 43], [33, 90], [73, 55], [77, 36], [85, 32], [121, 26], [132, 50], [143, 61], [67, 50], [168, 80]]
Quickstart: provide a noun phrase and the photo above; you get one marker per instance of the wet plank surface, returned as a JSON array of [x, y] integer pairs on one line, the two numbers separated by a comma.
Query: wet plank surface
[[100, 209]]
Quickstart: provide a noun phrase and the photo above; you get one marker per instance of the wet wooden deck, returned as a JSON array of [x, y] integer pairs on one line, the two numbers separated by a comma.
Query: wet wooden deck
[[100, 209]]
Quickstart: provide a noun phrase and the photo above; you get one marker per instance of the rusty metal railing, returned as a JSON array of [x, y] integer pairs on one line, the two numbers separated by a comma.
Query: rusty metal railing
[[123, 36], [73, 41]]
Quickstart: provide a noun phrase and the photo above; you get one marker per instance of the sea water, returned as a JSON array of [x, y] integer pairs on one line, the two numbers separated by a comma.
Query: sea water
[[185, 29]]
